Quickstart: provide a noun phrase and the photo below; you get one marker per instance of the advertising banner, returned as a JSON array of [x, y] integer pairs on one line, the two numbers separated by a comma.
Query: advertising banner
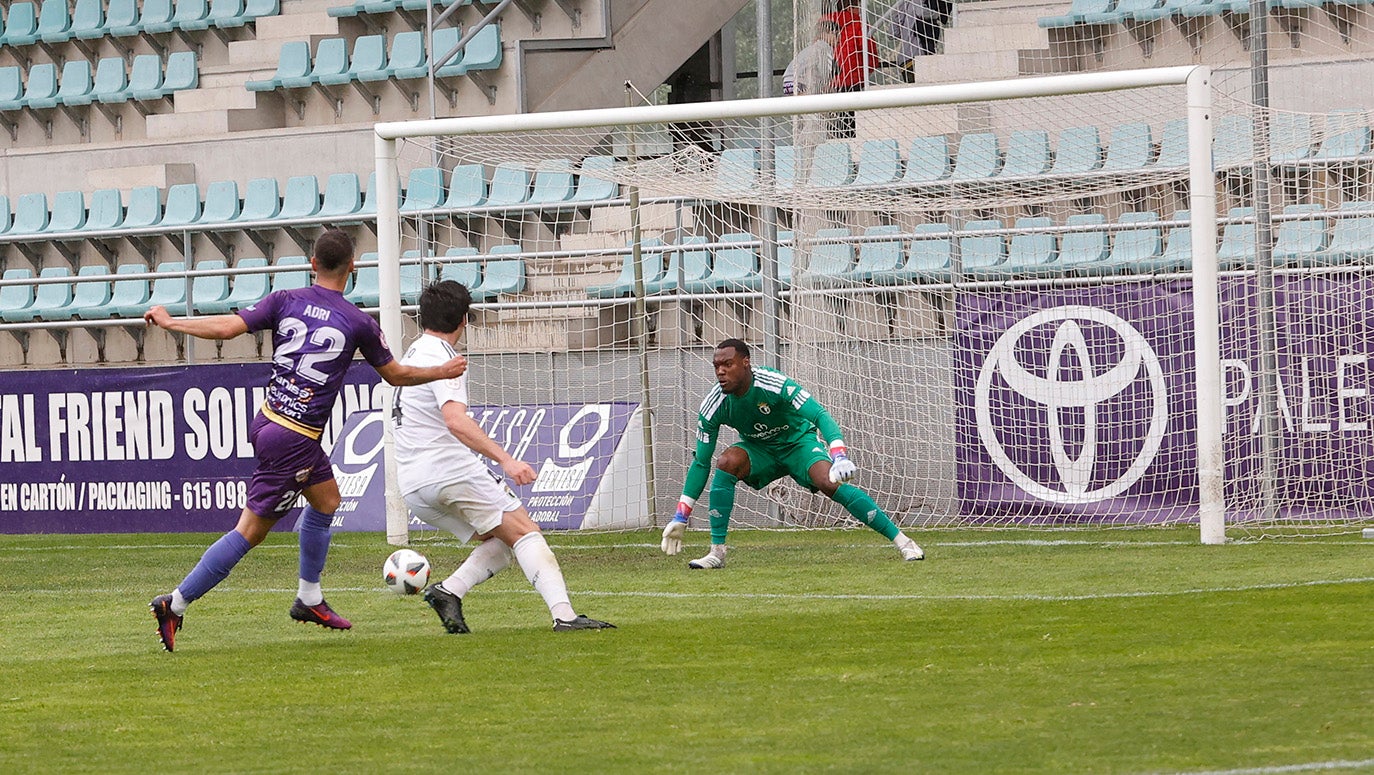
[[588, 459], [1078, 403]]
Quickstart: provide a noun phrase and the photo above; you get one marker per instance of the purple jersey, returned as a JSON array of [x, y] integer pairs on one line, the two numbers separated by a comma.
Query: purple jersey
[[315, 332]]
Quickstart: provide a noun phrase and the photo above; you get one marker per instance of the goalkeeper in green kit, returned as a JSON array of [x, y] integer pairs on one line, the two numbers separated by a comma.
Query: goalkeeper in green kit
[[777, 420]]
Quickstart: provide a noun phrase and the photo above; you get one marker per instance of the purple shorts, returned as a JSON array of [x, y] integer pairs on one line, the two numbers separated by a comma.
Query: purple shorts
[[288, 462]]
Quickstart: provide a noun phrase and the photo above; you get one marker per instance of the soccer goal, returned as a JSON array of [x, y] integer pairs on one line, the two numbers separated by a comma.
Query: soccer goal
[[1011, 295]]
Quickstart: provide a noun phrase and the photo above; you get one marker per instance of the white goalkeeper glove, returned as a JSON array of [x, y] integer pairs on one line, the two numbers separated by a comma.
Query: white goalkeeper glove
[[676, 529], [841, 468]]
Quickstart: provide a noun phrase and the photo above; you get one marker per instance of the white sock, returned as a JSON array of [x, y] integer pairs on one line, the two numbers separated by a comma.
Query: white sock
[[488, 559], [179, 603], [541, 568], [309, 592]]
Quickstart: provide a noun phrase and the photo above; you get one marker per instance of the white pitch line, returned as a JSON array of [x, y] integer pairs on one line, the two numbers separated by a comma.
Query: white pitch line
[[1277, 770], [804, 596]]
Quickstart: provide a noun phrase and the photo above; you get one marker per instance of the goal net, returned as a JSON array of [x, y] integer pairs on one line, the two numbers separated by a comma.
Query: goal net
[[1028, 303]]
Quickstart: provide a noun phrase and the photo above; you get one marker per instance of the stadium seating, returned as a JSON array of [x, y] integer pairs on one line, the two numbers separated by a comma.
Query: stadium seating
[[978, 157], [424, 190], [14, 299], [737, 170], [342, 196], [1033, 252], [982, 254], [651, 263], [931, 254], [467, 187], [30, 214], [182, 207], [365, 291], [128, 297], [1084, 250], [1299, 242], [466, 273], [221, 203], [553, 182], [879, 260], [247, 290], [88, 295], [68, 212], [1081, 12], [1028, 154], [293, 277], [1131, 148], [691, 262], [49, 299], [831, 165], [734, 267], [831, 257], [1352, 237], [1079, 150], [1138, 249], [501, 276], [928, 160], [209, 289], [591, 187], [510, 185], [1237, 249], [106, 210], [170, 292]]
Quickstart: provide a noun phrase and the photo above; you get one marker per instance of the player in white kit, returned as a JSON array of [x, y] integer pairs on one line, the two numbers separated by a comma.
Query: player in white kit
[[446, 484]]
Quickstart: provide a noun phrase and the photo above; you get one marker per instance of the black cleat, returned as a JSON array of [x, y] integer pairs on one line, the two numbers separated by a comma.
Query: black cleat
[[581, 623], [449, 607], [320, 614], [168, 623]]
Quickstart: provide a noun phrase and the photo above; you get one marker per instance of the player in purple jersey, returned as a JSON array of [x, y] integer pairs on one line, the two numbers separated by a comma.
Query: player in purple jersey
[[315, 332]]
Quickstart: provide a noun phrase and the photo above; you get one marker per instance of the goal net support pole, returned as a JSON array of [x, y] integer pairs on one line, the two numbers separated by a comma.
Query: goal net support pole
[[1194, 80]]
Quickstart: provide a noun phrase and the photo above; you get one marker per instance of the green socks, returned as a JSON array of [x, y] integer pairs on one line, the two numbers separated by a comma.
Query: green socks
[[722, 503], [854, 500]]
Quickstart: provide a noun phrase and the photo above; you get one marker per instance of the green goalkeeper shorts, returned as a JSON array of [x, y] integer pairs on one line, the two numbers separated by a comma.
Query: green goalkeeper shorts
[[768, 462]]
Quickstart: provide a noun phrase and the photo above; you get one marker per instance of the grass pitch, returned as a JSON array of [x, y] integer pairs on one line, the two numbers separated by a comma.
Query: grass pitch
[[1104, 652]]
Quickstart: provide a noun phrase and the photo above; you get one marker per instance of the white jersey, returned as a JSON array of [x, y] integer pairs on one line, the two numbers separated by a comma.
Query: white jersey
[[426, 451]]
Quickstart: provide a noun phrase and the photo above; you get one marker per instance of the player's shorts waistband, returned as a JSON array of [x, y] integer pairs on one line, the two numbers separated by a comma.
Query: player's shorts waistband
[[290, 424]]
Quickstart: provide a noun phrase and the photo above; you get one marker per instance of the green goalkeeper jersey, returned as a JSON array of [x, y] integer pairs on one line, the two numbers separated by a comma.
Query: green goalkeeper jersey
[[775, 411]]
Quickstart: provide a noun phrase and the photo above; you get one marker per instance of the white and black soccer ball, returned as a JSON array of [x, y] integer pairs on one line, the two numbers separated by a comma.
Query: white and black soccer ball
[[405, 572]]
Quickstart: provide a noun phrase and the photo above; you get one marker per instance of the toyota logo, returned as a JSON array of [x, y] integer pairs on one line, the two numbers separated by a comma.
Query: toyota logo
[[1076, 383]]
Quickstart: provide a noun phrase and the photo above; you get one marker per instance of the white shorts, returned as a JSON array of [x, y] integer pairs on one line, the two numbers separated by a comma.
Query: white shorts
[[466, 507]]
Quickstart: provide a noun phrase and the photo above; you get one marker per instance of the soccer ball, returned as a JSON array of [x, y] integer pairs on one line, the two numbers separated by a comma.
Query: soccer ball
[[405, 572]]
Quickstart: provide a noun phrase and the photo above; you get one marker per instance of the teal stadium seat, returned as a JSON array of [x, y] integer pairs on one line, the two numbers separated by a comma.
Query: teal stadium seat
[[1173, 144], [111, 83], [738, 170], [1300, 242], [734, 267], [90, 295], [978, 157], [982, 254], [218, 11], [247, 290], [928, 160], [931, 254], [121, 21], [128, 298], [1347, 136], [252, 11], [880, 256], [1137, 250], [4, 213], [293, 64], [1081, 12], [1237, 249], [593, 180], [182, 207], [553, 182], [510, 185], [155, 16], [209, 289], [1290, 137], [1126, 10], [465, 273], [301, 199], [185, 12], [1028, 154], [183, 72], [21, 26], [413, 277], [880, 163], [261, 200], [170, 292], [342, 196], [41, 86], [1178, 245], [1233, 142], [831, 256], [502, 275], [11, 88], [369, 56], [106, 211], [424, 190], [1084, 251], [30, 214], [691, 262], [298, 276], [1032, 252], [1165, 10], [88, 22], [651, 263], [331, 57], [221, 203], [483, 52], [14, 299], [467, 187], [405, 59], [785, 167], [366, 290], [68, 212], [1130, 148], [1079, 150], [74, 88], [49, 300], [831, 165], [1352, 236]]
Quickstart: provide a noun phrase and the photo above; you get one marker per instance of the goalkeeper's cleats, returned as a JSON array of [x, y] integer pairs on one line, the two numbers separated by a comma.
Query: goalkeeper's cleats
[[449, 607], [581, 623], [320, 614], [713, 559], [168, 623], [910, 551]]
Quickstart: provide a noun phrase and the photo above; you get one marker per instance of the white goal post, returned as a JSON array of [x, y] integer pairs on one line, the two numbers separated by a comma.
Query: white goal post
[[1201, 202]]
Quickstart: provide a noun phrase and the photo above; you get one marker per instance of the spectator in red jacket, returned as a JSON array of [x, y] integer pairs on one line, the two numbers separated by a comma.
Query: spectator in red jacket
[[855, 57]]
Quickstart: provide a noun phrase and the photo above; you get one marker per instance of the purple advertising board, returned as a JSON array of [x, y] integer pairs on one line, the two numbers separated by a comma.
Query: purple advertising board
[[99, 450], [1078, 403], [570, 446]]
